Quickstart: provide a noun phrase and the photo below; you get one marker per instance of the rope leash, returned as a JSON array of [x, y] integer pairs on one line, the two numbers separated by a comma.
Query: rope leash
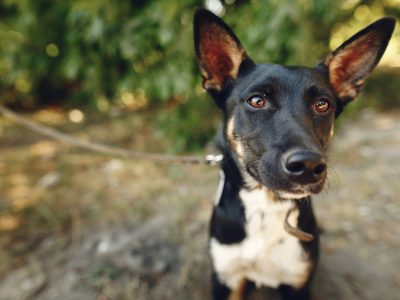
[[211, 159]]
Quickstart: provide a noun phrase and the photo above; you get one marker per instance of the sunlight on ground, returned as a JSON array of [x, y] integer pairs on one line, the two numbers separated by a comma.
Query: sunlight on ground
[[50, 116], [45, 148], [8, 223]]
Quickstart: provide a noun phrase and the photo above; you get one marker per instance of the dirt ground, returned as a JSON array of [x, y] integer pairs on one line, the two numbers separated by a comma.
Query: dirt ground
[[76, 225]]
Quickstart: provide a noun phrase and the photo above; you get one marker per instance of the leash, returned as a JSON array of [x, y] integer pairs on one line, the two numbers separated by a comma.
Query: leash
[[297, 233], [210, 159]]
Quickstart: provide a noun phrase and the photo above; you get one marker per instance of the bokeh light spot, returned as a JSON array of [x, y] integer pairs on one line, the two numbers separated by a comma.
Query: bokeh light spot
[[52, 50]]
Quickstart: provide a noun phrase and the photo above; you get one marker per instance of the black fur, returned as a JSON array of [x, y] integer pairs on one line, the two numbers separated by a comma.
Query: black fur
[[227, 221], [288, 120]]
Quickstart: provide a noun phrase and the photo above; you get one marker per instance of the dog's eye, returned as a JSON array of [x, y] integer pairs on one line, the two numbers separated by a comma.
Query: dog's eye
[[322, 105], [256, 101]]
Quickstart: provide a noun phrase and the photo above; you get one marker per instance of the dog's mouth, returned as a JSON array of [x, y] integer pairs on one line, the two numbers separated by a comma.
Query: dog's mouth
[[252, 170], [293, 194], [284, 188], [300, 191]]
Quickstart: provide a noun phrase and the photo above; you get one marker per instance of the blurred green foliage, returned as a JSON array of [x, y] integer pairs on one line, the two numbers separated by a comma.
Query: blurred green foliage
[[76, 50], [140, 53]]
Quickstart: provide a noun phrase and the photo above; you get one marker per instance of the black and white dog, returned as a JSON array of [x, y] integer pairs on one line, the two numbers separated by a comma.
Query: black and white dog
[[278, 122]]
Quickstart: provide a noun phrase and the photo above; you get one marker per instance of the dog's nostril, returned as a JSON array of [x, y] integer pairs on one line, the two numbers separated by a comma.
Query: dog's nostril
[[304, 166], [319, 169], [295, 167]]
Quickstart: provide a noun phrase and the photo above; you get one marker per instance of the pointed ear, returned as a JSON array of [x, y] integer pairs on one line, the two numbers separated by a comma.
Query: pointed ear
[[356, 58], [218, 50]]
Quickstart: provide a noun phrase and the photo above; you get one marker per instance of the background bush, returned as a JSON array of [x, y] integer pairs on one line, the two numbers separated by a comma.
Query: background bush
[[140, 53]]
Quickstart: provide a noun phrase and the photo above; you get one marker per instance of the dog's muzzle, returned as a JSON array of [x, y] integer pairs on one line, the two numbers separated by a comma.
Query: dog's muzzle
[[304, 167]]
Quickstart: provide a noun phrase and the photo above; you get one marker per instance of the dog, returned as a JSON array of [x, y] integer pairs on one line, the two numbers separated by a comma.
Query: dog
[[277, 124]]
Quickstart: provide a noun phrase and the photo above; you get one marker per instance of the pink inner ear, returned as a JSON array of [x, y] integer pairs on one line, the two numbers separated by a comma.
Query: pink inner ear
[[220, 56], [351, 65], [216, 60]]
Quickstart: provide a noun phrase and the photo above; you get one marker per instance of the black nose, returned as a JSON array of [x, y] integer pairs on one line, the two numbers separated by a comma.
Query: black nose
[[304, 166]]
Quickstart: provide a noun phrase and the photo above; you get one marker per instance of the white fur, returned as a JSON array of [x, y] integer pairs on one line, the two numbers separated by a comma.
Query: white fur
[[220, 187], [286, 195], [268, 255], [331, 131]]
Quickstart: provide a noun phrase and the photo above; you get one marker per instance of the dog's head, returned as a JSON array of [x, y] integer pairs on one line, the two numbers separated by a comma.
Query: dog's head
[[279, 120]]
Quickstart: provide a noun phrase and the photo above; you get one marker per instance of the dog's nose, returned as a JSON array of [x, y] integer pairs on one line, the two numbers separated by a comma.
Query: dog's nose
[[304, 166]]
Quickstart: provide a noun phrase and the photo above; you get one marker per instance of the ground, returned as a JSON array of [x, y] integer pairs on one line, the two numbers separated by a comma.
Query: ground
[[77, 225]]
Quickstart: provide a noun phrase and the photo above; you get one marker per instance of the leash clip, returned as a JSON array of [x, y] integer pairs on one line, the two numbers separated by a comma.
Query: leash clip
[[213, 159]]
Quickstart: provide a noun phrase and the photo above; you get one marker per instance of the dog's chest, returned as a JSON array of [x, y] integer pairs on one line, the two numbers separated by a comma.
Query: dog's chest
[[268, 255]]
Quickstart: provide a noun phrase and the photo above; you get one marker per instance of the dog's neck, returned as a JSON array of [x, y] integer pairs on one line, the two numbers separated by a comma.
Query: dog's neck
[[234, 173], [249, 193]]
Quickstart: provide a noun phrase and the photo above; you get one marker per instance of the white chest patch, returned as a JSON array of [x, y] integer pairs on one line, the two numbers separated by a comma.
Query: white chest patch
[[268, 255]]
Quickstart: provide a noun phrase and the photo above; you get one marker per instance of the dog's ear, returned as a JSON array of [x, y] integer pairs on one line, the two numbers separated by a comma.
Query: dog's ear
[[356, 58], [218, 50]]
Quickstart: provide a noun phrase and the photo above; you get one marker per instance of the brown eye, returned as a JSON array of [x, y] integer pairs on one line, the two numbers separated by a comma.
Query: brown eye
[[322, 105], [256, 101]]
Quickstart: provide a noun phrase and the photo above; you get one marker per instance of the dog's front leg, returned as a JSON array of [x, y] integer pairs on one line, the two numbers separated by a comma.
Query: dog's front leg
[[222, 292]]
